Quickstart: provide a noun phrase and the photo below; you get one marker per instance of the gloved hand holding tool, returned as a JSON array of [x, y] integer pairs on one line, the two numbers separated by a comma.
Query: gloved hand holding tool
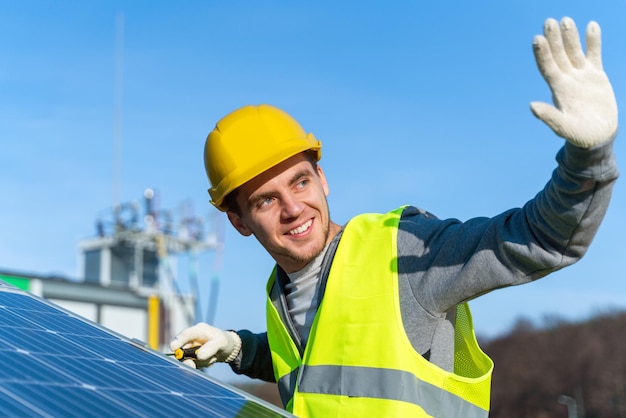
[[210, 345], [585, 110]]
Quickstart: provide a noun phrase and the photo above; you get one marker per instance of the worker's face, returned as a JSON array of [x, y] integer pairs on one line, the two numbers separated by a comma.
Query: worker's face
[[285, 208]]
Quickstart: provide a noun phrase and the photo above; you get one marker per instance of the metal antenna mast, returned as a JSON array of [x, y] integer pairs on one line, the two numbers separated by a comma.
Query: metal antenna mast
[[118, 104]]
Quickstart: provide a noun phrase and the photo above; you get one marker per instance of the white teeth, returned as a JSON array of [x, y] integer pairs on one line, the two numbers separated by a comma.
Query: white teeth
[[302, 228]]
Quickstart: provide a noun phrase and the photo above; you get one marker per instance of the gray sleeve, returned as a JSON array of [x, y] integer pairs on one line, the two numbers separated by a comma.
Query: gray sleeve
[[447, 261]]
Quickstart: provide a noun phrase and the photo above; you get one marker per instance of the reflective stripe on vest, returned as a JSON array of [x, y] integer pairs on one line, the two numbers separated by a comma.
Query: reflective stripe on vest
[[358, 359], [367, 382]]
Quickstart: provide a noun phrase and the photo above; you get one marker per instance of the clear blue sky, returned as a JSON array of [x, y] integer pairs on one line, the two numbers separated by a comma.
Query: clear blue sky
[[425, 103]]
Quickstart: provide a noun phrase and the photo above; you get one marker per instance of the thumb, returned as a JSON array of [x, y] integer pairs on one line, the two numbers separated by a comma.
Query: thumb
[[549, 114]]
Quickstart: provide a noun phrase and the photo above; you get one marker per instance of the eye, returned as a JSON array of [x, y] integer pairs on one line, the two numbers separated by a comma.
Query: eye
[[302, 183], [265, 202]]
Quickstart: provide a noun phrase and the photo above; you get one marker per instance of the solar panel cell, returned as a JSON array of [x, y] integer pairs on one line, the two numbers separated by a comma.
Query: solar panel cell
[[52, 363], [71, 401]]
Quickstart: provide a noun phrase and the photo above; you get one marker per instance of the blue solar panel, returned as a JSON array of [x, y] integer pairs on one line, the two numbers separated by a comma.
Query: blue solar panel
[[53, 363]]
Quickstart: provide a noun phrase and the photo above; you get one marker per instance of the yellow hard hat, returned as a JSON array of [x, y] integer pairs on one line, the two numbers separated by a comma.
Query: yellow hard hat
[[249, 141]]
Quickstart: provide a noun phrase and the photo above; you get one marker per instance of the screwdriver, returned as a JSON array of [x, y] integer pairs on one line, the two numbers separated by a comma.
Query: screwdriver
[[185, 353]]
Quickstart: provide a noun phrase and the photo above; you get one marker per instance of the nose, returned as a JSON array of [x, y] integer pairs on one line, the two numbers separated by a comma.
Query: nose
[[292, 206]]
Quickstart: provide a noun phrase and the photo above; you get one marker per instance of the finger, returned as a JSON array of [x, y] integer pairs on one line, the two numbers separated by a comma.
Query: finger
[[176, 343], [571, 43], [552, 33], [181, 341], [189, 362], [210, 349], [195, 333], [594, 44], [544, 58], [201, 364]]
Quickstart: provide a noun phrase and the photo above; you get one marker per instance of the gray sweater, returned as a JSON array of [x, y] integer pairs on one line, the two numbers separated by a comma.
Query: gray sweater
[[442, 263]]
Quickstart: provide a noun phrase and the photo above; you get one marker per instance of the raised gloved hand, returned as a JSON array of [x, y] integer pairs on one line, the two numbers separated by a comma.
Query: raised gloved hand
[[585, 110], [216, 345]]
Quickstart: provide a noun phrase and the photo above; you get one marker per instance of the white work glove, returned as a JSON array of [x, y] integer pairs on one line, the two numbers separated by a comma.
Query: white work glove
[[585, 110], [216, 345]]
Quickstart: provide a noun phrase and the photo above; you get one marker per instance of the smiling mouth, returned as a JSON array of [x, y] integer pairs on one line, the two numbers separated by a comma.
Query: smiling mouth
[[303, 228]]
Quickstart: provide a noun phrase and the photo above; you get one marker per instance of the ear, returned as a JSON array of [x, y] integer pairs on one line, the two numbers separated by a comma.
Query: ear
[[320, 172], [237, 222]]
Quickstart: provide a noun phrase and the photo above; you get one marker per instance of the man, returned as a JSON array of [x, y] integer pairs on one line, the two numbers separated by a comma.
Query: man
[[370, 318]]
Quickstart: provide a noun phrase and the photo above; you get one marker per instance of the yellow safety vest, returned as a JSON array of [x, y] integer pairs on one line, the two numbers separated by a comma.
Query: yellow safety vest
[[358, 360]]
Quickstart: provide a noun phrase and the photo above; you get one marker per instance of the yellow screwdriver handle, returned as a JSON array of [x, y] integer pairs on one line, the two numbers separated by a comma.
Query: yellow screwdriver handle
[[185, 353]]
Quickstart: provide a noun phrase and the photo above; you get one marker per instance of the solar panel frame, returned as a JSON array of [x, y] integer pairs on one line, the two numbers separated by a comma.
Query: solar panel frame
[[55, 363]]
